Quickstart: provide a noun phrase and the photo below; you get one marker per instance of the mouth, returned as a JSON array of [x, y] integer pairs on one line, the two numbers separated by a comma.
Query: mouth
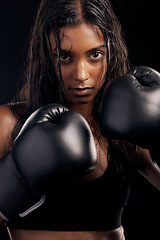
[[81, 91]]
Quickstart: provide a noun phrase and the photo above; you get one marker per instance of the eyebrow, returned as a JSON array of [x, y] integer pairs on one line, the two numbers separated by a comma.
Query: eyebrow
[[96, 48], [90, 50]]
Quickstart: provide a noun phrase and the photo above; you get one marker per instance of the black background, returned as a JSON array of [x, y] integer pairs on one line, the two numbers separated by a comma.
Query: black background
[[141, 24]]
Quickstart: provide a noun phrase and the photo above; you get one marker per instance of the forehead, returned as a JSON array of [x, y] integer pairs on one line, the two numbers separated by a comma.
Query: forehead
[[82, 37]]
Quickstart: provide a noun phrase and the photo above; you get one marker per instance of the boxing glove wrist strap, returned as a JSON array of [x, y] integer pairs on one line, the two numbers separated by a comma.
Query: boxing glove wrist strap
[[155, 158], [34, 207], [14, 196]]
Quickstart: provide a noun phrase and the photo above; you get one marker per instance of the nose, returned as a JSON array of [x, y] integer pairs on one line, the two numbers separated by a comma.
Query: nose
[[81, 71]]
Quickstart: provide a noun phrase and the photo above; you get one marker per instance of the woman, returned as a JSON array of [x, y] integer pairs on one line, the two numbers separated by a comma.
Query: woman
[[76, 47]]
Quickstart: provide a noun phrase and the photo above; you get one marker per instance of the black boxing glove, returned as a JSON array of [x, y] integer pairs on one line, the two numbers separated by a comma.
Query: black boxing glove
[[54, 143], [130, 109]]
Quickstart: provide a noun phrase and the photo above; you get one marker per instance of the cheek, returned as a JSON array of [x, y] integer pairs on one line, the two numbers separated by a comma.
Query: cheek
[[99, 75], [66, 75]]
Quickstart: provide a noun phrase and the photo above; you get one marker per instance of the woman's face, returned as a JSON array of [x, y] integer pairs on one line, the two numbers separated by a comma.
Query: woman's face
[[83, 62]]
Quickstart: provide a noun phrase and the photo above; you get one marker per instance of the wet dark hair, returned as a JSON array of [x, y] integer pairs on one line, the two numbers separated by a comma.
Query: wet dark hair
[[41, 84]]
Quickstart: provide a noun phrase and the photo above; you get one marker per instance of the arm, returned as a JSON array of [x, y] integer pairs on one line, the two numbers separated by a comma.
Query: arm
[[151, 171], [1, 222], [7, 123]]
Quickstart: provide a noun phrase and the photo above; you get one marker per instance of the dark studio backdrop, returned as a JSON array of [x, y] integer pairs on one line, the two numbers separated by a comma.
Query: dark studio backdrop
[[141, 23]]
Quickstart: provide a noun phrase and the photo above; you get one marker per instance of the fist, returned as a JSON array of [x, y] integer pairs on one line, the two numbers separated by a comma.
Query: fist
[[130, 107]]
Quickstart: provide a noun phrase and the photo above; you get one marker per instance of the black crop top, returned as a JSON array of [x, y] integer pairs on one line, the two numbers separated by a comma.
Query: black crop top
[[85, 206]]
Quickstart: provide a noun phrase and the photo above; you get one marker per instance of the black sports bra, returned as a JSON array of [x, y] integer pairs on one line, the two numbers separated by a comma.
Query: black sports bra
[[82, 206]]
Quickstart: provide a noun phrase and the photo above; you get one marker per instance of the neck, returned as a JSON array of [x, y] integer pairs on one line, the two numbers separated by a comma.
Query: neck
[[84, 109]]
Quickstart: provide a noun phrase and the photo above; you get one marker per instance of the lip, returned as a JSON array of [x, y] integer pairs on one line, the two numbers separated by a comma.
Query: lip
[[81, 91]]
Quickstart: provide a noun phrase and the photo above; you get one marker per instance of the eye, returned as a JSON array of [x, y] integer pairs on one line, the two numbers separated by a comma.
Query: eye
[[65, 57], [96, 55]]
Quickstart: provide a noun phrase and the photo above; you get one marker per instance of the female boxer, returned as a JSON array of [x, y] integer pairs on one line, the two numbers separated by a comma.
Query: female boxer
[[76, 47]]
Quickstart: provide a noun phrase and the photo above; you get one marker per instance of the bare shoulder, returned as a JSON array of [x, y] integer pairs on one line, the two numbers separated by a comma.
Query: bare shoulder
[[7, 124]]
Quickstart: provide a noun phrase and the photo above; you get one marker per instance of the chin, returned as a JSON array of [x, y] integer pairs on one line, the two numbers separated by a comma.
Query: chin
[[82, 101]]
